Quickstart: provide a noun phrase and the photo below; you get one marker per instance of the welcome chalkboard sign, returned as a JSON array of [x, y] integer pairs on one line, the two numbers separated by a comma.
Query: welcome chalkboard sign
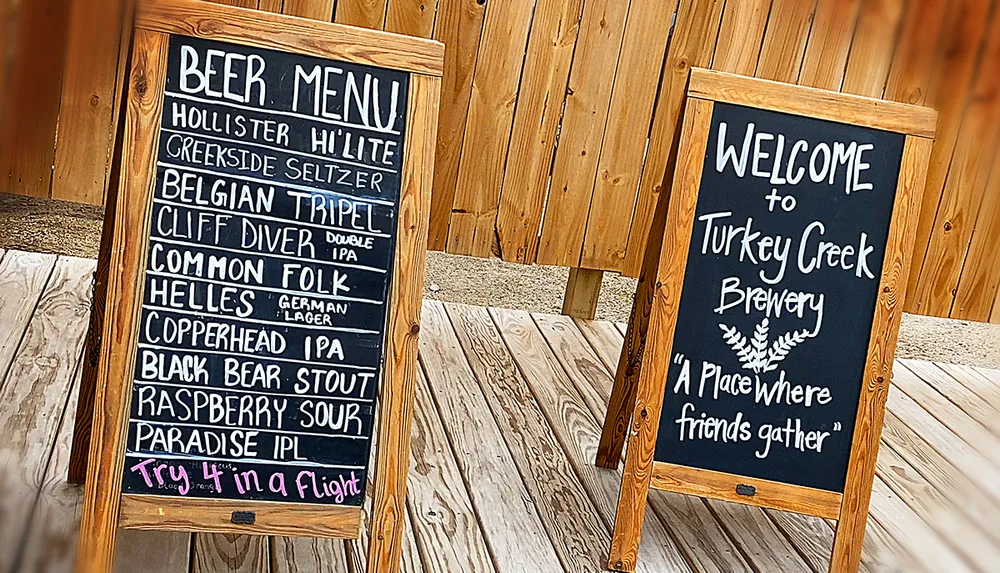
[[266, 276], [760, 349]]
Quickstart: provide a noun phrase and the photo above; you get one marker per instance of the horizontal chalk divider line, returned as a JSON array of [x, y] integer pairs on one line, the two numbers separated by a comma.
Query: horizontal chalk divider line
[[277, 290], [196, 458], [254, 392], [293, 222], [198, 134], [269, 111], [771, 494], [205, 315], [260, 357], [275, 183], [246, 429], [264, 255], [166, 513]]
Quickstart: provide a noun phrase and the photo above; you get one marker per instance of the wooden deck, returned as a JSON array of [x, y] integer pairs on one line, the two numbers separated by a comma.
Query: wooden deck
[[502, 480]]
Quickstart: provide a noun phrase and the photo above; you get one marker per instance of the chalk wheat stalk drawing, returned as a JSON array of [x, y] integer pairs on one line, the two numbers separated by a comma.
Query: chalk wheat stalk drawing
[[755, 352]]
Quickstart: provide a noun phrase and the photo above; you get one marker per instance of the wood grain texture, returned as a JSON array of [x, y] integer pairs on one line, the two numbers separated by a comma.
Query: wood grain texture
[[28, 132], [361, 13], [829, 44], [459, 26], [588, 96], [313, 9], [978, 287], [487, 130], [399, 378], [811, 102], [785, 40], [23, 277], [692, 44], [941, 473], [967, 400], [849, 538], [719, 485], [34, 395], [107, 450], [583, 289], [962, 196], [217, 552], [947, 93], [873, 46], [623, 148], [740, 36], [757, 537], [916, 50], [649, 398], [297, 35], [957, 420], [411, 17], [444, 520], [536, 120], [308, 555], [87, 105], [499, 495], [565, 509], [984, 383], [215, 515]]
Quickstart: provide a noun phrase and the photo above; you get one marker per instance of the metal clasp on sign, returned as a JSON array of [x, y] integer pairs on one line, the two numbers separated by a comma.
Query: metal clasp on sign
[[244, 517], [747, 490]]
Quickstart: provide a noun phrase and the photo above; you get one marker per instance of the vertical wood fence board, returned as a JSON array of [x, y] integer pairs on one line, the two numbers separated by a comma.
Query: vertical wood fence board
[[86, 109], [584, 118], [487, 129], [916, 48], [411, 17], [532, 141], [964, 188], [624, 146], [977, 287], [271, 6], [873, 47], [829, 44], [995, 314], [27, 143], [459, 26], [363, 13], [740, 36], [315, 9], [949, 89], [785, 40], [692, 45]]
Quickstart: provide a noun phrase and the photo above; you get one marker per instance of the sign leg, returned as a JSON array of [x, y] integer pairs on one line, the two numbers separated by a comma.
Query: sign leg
[[622, 402]]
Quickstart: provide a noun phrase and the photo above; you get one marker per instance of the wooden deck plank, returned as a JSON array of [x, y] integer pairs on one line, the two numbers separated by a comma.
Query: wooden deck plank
[[567, 512], [757, 537], [937, 512], [308, 555], [444, 521], [983, 382], [967, 460], [226, 553], [499, 496], [357, 549], [960, 423], [968, 401], [577, 371], [33, 399], [912, 533], [22, 278]]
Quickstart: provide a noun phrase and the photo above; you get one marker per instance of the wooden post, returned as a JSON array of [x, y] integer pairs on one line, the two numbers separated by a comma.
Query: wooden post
[[582, 291]]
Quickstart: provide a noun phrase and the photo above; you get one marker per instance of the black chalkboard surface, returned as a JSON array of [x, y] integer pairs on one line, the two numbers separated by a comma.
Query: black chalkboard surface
[[269, 259], [777, 304]]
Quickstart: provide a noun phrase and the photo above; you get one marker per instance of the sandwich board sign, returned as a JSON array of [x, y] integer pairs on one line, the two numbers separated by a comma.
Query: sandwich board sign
[[266, 271], [760, 349]]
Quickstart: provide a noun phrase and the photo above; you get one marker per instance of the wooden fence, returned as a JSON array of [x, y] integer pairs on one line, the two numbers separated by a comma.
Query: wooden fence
[[558, 116]]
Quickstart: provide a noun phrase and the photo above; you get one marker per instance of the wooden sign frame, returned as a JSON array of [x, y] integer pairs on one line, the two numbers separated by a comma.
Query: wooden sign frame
[[640, 381], [105, 507]]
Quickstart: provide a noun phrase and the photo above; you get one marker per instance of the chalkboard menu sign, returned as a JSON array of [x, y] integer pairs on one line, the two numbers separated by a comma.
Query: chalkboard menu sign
[[269, 259], [778, 297], [265, 246], [759, 353]]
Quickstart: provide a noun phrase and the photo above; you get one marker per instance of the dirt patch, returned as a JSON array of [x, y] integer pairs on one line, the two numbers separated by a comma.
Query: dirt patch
[[65, 228]]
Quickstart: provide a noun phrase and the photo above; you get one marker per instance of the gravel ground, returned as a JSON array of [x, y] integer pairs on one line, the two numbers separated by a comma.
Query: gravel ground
[[70, 229]]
